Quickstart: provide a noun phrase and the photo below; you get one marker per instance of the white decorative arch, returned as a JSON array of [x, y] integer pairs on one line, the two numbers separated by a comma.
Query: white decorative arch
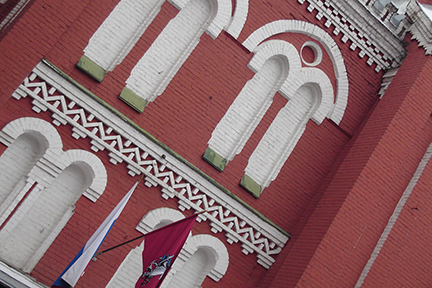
[[297, 26], [216, 248], [272, 48], [96, 172], [55, 159], [157, 216], [41, 203], [310, 96], [47, 134], [239, 18], [122, 29], [297, 75], [326, 100]]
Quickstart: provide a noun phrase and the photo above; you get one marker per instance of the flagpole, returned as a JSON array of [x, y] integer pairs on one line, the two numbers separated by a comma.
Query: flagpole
[[127, 242]]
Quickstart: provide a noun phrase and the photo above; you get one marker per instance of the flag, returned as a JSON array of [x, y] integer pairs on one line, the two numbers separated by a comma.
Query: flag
[[69, 277], [161, 248]]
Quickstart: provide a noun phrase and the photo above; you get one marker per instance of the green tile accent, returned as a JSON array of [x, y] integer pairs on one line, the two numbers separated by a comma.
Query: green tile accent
[[133, 100], [165, 147], [91, 68], [214, 159], [250, 185]]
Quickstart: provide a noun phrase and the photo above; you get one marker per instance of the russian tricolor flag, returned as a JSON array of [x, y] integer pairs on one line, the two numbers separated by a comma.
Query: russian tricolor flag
[[69, 277]]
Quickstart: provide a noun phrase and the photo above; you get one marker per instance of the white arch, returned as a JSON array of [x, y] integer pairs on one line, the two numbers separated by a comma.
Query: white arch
[[54, 183], [239, 18], [122, 29], [49, 136], [272, 48], [282, 136], [157, 216], [326, 100], [216, 248], [297, 26], [220, 20], [96, 172], [297, 76], [54, 159]]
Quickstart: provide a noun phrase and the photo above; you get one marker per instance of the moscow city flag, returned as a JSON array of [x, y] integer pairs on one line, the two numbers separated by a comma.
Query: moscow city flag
[[161, 248], [69, 277]]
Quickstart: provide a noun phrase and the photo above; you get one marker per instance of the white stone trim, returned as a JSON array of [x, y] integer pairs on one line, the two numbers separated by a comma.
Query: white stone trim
[[173, 46], [156, 216], [296, 26], [12, 277], [421, 27], [55, 160], [43, 247], [216, 247], [271, 48], [239, 18], [318, 54], [365, 31], [17, 127], [222, 16], [394, 217], [233, 131], [241, 119], [120, 31], [89, 118]]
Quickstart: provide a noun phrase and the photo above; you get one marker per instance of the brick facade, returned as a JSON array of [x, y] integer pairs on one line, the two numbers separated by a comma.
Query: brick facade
[[335, 192]]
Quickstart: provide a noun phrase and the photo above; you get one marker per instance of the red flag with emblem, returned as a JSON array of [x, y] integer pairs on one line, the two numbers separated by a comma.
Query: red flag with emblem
[[161, 248]]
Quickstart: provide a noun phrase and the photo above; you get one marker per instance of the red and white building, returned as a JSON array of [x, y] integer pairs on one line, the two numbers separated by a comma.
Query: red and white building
[[302, 127]]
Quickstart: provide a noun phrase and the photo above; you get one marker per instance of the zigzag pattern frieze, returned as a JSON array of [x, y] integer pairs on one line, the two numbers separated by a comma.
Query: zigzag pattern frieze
[[65, 108]]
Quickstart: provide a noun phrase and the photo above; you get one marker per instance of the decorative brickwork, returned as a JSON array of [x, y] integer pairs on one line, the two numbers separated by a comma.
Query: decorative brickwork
[[352, 20], [89, 118]]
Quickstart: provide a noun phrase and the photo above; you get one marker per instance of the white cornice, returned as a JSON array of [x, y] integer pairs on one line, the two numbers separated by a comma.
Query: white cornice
[[362, 30], [421, 29]]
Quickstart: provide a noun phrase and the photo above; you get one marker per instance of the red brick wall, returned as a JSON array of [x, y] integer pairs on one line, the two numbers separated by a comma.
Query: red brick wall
[[348, 220], [183, 118]]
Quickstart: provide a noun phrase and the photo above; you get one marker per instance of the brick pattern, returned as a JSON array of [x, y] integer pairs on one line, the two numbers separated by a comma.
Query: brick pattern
[[394, 217], [361, 196], [239, 224]]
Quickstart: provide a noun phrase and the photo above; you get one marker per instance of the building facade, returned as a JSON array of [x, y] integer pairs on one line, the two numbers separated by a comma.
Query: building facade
[[302, 128]]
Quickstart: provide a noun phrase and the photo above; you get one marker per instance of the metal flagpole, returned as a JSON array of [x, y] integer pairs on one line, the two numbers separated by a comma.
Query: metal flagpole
[[131, 240]]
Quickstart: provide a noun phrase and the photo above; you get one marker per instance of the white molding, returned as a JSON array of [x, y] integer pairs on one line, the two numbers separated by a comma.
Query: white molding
[[318, 54], [239, 18], [214, 246], [14, 277], [89, 118], [421, 27], [156, 216], [364, 31]]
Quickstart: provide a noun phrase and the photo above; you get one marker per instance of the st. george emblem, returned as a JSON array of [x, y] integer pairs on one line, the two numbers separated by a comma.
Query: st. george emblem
[[156, 267]]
